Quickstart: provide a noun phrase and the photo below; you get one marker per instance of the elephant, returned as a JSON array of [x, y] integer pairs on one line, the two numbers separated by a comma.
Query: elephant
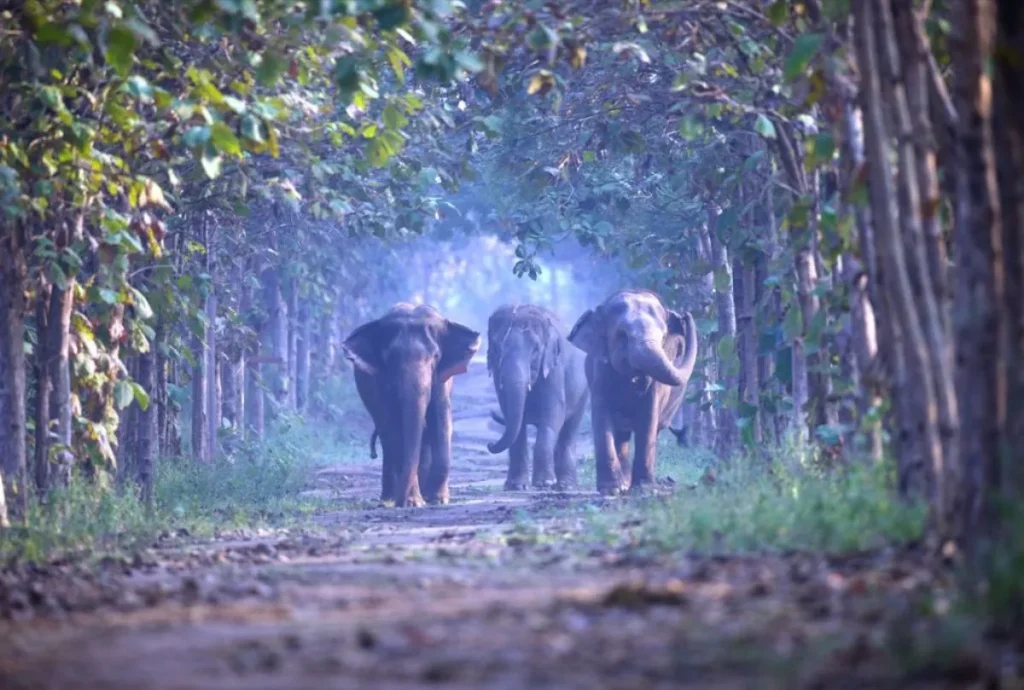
[[540, 380], [404, 365], [640, 356]]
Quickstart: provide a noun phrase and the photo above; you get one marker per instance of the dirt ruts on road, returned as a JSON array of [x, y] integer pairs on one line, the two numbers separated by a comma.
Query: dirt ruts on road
[[495, 590]]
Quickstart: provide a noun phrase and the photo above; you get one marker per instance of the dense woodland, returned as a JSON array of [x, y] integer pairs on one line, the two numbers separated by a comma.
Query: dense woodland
[[200, 199]]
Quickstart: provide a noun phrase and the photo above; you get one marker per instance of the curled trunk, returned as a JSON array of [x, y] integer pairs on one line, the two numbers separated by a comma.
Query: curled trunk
[[513, 387]]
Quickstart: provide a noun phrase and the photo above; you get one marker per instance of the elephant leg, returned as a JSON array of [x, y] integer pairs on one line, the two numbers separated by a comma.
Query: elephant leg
[[518, 471], [609, 473], [565, 463], [622, 452], [543, 457], [646, 444], [426, 457], [438, 442]]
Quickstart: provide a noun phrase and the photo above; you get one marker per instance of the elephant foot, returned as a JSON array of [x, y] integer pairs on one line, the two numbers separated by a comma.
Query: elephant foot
[[643, 489], [440, 499], [515, 485], [564, 486], [543, 483], [414, 501]]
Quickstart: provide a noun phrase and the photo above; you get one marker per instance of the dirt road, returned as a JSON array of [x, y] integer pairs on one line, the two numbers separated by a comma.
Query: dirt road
[[495, 590]]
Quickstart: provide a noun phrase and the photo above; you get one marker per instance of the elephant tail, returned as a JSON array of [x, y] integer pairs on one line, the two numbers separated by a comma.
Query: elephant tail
[[496, 416], [373, 444]]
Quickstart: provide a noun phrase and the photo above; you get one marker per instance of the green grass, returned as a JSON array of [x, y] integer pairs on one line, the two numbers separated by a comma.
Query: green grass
[[777, 504], [250, 485]]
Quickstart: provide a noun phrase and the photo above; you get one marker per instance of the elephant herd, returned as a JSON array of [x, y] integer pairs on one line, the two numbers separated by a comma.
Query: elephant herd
[[630, 357]]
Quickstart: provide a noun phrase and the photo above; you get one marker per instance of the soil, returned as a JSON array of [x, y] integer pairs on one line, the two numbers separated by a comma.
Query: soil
[[496, 590]]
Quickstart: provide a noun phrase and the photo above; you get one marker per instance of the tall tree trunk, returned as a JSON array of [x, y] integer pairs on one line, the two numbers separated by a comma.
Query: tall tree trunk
[[212, 384], [921, 447], [980, 292], [749, 386], [146, 421], [302, 357], [917, 183], [726, 308], [42, 411], [863, 323], [13, 272], [274, 336], [200, 399], [231, 375], [161, 392], [5, 521], [58, 341], [292, 292]]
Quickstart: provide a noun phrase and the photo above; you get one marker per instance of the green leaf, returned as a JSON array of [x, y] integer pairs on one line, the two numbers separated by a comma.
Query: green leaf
[[270, 69], [140, 88], [804, 48], [196, 137], [541, 38], [690, 127], [225, 140], [52, 97], [124, 394], [393, 117], [589, 157], [251, 128], [793, 324], [392, 15], [778, 12], [120, 46], [140, 395], [764, 127], [492, 126], [346, 75], [784, 364], [398, 61]]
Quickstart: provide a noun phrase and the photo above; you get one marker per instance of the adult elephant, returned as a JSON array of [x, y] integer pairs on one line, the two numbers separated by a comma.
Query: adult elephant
[[640, 356], [404, 363], [540, 380]]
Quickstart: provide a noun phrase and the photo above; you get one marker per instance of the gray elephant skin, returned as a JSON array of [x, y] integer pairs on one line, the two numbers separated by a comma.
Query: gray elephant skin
[[640, 356], [540, 380], [404, 363]]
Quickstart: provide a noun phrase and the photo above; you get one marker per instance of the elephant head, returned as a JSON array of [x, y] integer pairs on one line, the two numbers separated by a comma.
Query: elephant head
[[637, 335], [407, 352], [524, 345]]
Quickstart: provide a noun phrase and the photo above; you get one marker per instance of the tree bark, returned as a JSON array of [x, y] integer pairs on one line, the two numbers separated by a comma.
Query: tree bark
[[200, 399], [210, 371], [302, 358], [749, 386], [42, 411], [292, 293], [5, 521], [917, 184], [13, 272], [922, 448], [275, 336], [58, 339], [978, 245], [726, 307], [146, 426]]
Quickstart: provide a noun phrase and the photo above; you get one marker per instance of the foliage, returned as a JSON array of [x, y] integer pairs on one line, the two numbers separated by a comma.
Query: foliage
[[782, 506]]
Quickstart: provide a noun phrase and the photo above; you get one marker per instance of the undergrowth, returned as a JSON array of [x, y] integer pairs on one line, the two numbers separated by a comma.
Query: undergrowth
[[250, 485], [779, 503]]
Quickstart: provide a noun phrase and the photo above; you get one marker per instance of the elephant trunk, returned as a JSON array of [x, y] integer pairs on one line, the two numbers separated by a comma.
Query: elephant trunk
[[513, 387], [412, 413], [649, 358]]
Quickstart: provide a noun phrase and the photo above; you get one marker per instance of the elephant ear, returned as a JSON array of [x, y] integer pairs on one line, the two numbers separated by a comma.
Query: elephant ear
[[363, 348], [458, 345], [552, 355], [588, 334]]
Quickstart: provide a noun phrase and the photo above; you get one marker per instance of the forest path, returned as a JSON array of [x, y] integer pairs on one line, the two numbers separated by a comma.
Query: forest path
[[496, 590]]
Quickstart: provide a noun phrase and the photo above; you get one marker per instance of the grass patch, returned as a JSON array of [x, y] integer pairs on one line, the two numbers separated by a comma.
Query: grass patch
[[754, 505], [250, 485]]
